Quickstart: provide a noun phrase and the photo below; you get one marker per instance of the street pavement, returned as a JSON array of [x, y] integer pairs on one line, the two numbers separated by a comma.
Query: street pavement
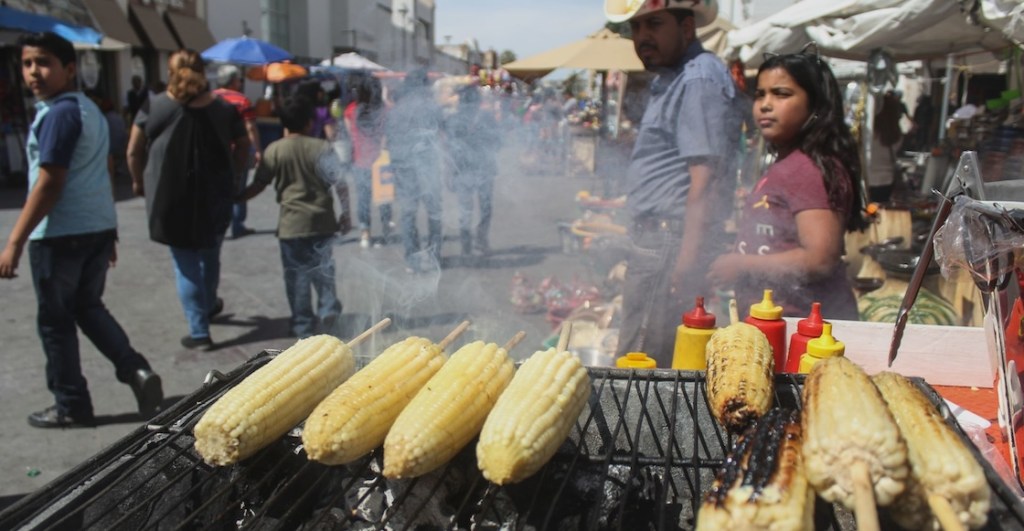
[[372, 283]]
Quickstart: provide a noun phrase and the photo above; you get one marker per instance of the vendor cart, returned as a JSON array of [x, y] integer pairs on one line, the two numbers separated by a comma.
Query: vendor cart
[[641, 456]]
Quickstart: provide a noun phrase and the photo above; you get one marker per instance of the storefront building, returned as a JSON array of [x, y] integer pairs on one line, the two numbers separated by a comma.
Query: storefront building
[[137, 37]]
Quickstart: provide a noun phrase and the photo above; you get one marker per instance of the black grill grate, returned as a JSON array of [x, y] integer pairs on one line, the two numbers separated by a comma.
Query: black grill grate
[[642, 454]]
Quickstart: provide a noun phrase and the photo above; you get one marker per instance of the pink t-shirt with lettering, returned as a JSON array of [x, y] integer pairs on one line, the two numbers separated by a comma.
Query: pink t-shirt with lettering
[[790, 186]]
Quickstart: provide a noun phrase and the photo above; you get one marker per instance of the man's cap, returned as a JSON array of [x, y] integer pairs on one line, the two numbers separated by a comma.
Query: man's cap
[[704, 11], [225, 73]]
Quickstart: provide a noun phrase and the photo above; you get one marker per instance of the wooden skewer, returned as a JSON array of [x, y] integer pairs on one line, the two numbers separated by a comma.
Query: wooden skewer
[[734, 312], [864, 498], [944, 513], [453, 335], [515, 340], [563, 337], [369, 332]]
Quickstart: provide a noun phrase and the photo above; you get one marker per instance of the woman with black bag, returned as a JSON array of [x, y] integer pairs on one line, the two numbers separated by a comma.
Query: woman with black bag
[[184, 145]]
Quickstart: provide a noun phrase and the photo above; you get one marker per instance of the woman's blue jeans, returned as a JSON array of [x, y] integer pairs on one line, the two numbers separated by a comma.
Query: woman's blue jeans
[[364, 197], [197, 272]]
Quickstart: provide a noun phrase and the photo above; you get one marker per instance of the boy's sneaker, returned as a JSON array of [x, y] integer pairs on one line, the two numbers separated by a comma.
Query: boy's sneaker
[[51, 418], [364, 239], [197, 343]]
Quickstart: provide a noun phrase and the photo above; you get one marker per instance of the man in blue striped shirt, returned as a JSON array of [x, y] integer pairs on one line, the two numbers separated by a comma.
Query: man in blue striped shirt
[[680, 172]]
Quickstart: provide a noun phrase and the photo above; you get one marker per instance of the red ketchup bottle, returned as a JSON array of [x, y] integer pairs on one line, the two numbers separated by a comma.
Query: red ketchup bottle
[[806, 330], [767, 317]]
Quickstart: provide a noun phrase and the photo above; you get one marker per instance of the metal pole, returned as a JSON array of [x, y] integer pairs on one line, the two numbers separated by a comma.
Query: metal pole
[[945, 97]]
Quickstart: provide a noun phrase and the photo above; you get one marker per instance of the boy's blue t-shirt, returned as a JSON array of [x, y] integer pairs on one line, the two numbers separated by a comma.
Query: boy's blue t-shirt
[[70, 132]]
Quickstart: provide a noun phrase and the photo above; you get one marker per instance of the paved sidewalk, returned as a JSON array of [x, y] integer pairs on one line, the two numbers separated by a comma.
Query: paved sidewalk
[[371, 283]]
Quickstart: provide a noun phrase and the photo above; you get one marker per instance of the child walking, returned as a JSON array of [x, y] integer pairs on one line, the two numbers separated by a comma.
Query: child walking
[[307, 224], [790, 238]]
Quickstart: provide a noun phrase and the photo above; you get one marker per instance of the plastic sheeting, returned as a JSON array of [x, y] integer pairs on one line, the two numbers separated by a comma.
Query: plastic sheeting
[[851, 29]]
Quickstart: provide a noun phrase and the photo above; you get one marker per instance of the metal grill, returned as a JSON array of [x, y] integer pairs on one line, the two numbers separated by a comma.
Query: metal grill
[[642, 454]]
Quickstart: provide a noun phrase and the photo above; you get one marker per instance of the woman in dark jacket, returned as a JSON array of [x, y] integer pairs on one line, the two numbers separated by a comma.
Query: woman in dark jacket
[[184, 145]]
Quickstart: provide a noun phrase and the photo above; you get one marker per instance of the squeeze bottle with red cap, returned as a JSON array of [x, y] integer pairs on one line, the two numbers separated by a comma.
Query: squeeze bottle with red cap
[[767, 317], [692, 338], [820, 348], [806, 330]]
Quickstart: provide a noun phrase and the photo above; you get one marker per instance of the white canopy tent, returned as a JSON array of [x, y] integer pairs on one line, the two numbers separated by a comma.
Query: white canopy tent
[[905, 29], [352, 60], [853, 29]]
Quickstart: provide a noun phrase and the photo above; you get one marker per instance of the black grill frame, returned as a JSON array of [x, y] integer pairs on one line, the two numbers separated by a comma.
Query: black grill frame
[[648, 438]]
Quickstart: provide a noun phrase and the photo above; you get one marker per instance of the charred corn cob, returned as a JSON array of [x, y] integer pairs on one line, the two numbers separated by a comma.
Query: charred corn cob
[[355, 417], [533, 416], [740, 375], [272, 400], [940, 464], [762, 485], [448, 411], [846, 423]]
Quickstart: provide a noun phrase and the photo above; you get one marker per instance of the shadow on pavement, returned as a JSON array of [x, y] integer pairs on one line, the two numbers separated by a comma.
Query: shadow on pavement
[[512, 258], [135, 417], [261, 328]]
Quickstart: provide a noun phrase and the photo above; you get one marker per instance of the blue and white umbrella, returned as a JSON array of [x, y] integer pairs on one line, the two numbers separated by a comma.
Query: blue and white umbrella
[[16, 19], [245, 51]]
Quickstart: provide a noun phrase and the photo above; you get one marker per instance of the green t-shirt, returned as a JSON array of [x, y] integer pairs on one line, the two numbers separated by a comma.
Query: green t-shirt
[[292, 165]]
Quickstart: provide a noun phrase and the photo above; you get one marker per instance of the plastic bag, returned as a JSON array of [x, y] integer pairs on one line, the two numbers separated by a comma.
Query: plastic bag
[[991, 454], [982, 238]]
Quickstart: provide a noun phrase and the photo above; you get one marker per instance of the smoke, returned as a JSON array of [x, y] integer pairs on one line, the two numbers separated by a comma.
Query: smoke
[[450, 140]]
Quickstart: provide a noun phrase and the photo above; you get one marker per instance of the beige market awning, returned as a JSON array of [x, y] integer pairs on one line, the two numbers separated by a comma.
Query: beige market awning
[[603, 50], [191, 32], [153, 28], [113, 21], [606, 50]]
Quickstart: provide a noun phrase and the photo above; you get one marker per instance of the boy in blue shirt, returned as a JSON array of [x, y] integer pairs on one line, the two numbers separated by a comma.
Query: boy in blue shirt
[[70, 226]]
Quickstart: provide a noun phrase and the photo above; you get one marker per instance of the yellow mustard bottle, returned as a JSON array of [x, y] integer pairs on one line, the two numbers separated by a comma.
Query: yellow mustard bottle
[[635, 360], [692, 338], [820, 348]]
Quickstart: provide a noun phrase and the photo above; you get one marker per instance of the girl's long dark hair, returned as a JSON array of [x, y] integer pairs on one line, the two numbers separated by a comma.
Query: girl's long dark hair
[[826, 138]]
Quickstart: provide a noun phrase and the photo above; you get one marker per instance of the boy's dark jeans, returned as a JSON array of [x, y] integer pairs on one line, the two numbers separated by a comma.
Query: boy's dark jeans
[[308, 264], [69, 274]]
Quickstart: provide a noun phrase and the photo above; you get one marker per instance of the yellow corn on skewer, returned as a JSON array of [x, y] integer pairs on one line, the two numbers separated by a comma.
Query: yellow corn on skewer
[[940, 464], [740, 375], [355, 417], [272, 400], [847, 425], [448, 411], [533, 416]]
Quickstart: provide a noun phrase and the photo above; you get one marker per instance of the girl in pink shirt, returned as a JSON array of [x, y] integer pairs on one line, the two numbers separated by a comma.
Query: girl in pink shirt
[[790, 238]]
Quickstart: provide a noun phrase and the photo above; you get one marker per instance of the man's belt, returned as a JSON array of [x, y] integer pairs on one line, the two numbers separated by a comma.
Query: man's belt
[[657, 224]]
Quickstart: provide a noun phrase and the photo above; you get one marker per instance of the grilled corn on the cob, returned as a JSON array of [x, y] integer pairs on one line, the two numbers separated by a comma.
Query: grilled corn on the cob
[[533, 416], [762, 485], [272, 400], [846, 422], [448, 411], [740, 375], [939, 462], [355, 417]]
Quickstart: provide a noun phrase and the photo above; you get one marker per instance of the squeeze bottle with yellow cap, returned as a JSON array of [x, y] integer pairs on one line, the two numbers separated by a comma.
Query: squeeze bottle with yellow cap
[[635, 360], [806, 330], [823, 347], [692, 338], [767, 317]]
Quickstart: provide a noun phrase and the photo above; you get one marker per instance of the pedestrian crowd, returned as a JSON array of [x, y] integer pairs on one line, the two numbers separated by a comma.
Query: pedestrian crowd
[[189, 151]]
